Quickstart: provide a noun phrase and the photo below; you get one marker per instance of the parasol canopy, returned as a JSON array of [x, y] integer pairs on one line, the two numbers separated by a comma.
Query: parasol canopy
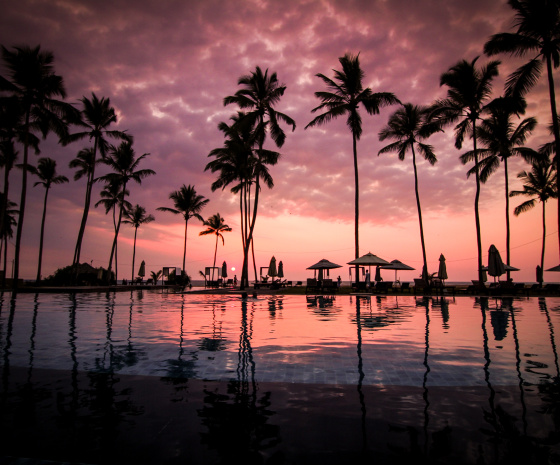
[[554, 268], [322, 265], [369, 259], [495, 264], [396, 265]]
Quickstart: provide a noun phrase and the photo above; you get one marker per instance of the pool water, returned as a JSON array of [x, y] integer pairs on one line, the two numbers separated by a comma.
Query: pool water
[[152, 377]]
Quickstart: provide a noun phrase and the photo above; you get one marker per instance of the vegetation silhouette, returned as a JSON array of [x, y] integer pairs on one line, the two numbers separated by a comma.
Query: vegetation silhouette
[[136, 217]]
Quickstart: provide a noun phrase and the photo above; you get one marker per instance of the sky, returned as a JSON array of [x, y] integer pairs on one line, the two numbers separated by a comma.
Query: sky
[[166, 67]]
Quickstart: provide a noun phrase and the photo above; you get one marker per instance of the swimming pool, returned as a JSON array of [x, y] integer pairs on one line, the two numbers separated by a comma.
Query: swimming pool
[[151, 377]]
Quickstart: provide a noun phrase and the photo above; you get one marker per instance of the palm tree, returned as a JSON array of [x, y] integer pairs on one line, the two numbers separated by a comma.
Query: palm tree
[[502, 140], [345, 95], [36, 86], [259, 94], [7, 231], [538, 32], [189, 204], [46, 172], [111, 198], [468, 90], [97, 115], [238, 164], [540, 184], [122, 160], [408, 126], [155, 276], [136, 216], [215, 225]]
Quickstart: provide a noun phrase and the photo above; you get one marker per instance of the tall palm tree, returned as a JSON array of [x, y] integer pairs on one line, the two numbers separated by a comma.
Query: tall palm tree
[[34, 83], [215, 225], [112, 197], [537, 32], [122, 160], [97, 115], [258, 96], [46, 172], [136, 216], [408, 126], [469, 89], [501, 140], [189, 204], [345, 96], [540, 184], [7, 231], [238, 163]]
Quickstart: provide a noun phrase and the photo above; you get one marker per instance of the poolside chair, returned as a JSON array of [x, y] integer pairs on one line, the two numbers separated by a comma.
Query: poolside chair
[[312, 285]]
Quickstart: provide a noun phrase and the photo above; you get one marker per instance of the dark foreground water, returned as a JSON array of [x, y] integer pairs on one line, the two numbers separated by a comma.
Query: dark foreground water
[[151, 378]]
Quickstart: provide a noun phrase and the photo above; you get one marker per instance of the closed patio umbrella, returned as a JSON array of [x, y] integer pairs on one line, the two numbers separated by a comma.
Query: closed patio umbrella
[[142, 270], [272, 268], [224, 270], [442, 271], [495, 264], [280, 269], [378, 274], [539, 274]]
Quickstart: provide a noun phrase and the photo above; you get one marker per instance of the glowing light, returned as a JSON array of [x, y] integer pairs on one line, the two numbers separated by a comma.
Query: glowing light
[[233, 268]]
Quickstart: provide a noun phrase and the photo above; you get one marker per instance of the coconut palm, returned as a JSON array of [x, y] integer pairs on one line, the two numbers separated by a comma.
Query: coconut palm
[[136, 217], [215, 225], [155, 276], [502, 139], [258, 96], [537, 24], [541, 185], [408, 126], [46, 172], [189, 204], [469, 89], [122, 160], [344, 96], [238, 164], [36, 86], [7, 231], [112, 198], [97, 115]]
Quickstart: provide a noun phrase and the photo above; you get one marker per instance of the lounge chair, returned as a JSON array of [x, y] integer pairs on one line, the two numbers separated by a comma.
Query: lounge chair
[[312, 285]]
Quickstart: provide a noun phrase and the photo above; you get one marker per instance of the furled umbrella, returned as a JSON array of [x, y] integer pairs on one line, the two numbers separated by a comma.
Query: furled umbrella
[[442, 271], [224, 270], [397, 265], [540, 277], [378, 277], [272, 268], [280, 269], [495, 264], [322, 265], [142, 269]]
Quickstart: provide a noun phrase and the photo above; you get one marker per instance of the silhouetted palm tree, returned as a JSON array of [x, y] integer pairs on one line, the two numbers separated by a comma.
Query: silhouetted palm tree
[[46, 172], [97, 115], [345, 95], [111, 198], [502, 139], [122, 160], [538, 32], [408, 126], [468, 91], [215, 225], [258, 95], [155, 276], [540, 184], [37, 87], [238, 164], [136, 217], [189, 204], [7, 231]]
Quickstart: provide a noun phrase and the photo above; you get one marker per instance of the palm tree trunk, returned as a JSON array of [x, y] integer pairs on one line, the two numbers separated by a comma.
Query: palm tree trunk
[[134, 252], [89, 188], [215, 252], [38, 280], [185, 245], [356, 207], [2, 218], [419, 215], [543, 234], [22, 202], [508, 234], [114, 247], [555, 129], [476, 212], [253, 220]]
